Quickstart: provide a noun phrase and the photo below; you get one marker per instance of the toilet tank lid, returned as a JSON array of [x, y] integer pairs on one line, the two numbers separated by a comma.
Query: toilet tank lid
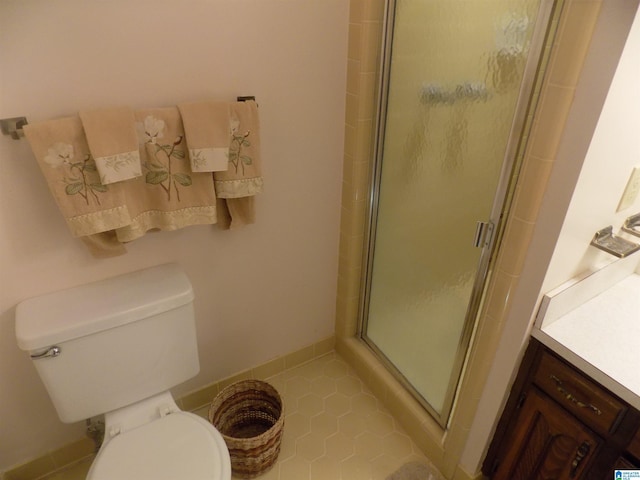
[[79, 311]]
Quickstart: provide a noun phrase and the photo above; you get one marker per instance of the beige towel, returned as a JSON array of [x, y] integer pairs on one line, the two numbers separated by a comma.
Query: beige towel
[[235, 212], [88, 206], [104, 245], [206, 126], [113, 143], [169, 195], [243, 179]]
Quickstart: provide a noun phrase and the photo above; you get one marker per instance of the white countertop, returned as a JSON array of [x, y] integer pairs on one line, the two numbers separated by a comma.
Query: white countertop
[[602, 337]]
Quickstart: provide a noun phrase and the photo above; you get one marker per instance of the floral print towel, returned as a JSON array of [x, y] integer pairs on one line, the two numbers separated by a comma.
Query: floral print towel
[[243, 178], [167, 194], [89, 207]]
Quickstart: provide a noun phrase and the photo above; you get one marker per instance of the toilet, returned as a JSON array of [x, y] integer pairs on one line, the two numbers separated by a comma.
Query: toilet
[[116, 347]]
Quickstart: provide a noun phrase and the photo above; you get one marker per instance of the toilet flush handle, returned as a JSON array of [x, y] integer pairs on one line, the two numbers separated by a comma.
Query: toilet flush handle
[[50, 352]]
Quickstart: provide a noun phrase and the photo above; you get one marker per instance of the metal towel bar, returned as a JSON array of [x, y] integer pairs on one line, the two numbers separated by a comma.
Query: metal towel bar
[[13, 126]]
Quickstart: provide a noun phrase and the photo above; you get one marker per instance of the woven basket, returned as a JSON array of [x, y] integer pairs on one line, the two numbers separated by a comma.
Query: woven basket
[[249, 415]]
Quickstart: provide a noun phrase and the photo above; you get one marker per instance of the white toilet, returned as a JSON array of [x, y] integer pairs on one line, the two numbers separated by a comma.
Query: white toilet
[[116, 347]]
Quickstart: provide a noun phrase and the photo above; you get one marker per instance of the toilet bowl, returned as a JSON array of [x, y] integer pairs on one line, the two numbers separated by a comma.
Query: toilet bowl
[[116, 347], [154, 439], [172, 445]]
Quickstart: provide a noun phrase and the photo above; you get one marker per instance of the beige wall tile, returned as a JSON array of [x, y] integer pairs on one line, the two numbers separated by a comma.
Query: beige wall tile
[[352, 109], [364, 140], [553, 110], [370, 50], [296, 358], [373, 11], [349, 282], [347, 169], [368, 90], [531, 188], [500, 293], [516, 241], [72, 452], [354, 51], [576, 25], [324, 346], [200, 397], [34, 469], [346, 316], [269, 369], [353, 76], [356, 10]]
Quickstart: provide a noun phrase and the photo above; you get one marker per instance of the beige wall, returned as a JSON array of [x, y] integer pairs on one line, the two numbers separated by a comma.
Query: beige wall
[[262, 291], [613, 152]]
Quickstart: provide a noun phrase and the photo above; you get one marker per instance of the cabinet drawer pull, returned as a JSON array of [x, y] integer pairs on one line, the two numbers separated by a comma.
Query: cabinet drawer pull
[[571, 398], [583, 451]]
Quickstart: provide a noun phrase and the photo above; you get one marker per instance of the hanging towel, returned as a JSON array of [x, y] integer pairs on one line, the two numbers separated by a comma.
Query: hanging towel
[[169, 195], [243, 177], [113, 143], [88, 206], [104, 245], [206, 126], [235, 212]]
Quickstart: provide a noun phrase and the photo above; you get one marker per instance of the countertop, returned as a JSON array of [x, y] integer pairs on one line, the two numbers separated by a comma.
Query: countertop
[[600, 336]]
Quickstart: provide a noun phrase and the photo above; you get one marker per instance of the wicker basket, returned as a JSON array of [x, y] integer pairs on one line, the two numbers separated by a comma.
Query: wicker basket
[[249, 415]]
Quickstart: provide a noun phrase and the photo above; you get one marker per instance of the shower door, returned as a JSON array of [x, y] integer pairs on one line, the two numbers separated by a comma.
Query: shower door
[[458, 76]]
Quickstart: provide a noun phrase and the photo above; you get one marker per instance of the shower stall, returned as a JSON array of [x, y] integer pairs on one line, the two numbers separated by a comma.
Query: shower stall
[[456, 84]]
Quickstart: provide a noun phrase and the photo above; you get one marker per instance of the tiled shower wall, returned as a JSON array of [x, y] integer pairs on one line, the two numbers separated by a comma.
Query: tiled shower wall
[[553, 98]]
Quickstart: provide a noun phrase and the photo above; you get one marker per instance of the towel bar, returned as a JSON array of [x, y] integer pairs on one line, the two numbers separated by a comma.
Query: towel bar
[[13, 126]]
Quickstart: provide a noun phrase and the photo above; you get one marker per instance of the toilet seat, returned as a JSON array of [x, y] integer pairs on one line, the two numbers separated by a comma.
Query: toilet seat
[[177, 446]]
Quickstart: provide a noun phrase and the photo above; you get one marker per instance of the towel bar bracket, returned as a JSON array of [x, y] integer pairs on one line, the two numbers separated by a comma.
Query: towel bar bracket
[[13, 127]]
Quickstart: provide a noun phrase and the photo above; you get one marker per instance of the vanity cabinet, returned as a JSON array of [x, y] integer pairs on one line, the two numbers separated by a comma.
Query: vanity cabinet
[[560, 424], [632, 453]]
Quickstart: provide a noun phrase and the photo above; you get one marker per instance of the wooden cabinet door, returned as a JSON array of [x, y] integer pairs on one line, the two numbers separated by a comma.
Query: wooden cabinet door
[[624, 464], [547, 443]]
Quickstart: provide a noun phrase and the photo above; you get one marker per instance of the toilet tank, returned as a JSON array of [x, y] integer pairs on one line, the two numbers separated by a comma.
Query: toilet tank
[[120, 340]]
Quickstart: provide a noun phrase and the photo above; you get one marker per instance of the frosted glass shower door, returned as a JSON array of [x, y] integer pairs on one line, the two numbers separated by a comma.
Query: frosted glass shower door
[[453, 83]]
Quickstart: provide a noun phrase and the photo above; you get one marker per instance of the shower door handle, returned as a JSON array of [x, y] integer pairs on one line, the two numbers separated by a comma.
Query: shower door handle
[[484, 234]]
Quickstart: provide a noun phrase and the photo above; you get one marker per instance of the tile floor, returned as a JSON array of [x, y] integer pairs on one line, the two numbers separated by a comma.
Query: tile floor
[[335, 429]]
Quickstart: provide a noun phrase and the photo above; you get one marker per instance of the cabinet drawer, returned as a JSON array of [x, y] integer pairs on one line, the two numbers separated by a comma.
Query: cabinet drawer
[[587, 400]]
